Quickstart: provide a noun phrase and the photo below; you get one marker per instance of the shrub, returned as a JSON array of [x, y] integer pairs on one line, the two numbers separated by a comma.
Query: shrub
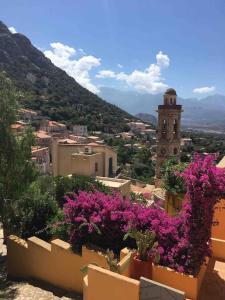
[[97, 218], [205, 184], [172, 182], [31, 213], [74, 184]]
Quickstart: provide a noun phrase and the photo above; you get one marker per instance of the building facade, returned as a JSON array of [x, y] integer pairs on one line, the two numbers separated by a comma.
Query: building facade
[[41, 157], [83, 159], [80, 130], [168, 131]]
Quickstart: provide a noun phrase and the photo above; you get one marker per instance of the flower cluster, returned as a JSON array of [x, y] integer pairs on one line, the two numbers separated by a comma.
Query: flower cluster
[[183, 241], [205, 185]]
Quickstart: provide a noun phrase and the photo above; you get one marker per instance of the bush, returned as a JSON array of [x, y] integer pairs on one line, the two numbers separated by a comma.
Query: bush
[[97, 218], [31, 214], [66, 185], [172, 182]]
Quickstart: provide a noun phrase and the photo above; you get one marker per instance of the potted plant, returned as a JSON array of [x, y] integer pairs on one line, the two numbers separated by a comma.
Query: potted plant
[[146, 253]]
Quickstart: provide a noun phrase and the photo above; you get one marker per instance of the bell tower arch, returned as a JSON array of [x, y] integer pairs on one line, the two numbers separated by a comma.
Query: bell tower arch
[[168, 131]]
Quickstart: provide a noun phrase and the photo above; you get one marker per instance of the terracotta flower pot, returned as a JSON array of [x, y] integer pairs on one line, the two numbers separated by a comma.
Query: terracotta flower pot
[[140, 268]]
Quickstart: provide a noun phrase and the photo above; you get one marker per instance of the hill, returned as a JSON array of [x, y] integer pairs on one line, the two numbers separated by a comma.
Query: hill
[[51, 91], [147, 118]]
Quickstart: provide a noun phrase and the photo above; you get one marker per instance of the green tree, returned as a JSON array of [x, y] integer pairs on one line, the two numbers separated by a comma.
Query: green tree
[[16, 168]]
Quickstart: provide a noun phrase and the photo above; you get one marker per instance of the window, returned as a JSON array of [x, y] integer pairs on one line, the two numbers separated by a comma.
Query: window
[[96, 167], [175, 151], [175, 126], [164, 126]]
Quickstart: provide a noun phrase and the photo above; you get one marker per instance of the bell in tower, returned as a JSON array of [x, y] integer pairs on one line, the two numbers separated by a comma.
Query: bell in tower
[[168, 131]]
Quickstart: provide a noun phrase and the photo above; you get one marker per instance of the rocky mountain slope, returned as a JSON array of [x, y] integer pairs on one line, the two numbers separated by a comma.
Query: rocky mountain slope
[[50, 90]]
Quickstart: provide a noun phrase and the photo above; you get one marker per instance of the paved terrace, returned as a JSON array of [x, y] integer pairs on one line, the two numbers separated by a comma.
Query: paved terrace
[[213, 287]]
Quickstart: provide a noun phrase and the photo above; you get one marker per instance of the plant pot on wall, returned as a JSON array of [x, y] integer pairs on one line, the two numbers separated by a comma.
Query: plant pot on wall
[[140, 268]]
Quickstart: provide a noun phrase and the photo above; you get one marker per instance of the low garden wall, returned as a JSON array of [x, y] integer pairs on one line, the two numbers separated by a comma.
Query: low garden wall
[[54, 263], [218, 230], [187, 283], [101, 284]]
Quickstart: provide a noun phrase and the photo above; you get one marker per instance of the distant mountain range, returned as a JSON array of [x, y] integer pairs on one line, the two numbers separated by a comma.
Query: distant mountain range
[[51, 91], [207, 113]]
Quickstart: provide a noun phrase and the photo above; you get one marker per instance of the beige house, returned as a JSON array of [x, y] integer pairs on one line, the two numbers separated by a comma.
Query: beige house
[[43, 138], [116, 184], [83, 159], [53, 126]]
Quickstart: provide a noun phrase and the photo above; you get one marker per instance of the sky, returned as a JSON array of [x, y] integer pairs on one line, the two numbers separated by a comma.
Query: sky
[[142, 45]]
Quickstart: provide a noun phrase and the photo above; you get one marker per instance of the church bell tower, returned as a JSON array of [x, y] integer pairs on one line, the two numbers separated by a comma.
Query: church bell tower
[[168, 131]]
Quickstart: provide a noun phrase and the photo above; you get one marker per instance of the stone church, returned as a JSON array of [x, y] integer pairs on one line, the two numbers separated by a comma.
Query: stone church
[[168, 131]]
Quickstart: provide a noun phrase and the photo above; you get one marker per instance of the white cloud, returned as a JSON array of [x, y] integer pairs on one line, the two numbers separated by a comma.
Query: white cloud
[[12, 29], [120, 66], [150, 80], [106, 74], [62, 56], [163, 60], [204, 90]]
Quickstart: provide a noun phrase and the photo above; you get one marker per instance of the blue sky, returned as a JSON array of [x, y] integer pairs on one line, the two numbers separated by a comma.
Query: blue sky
[[129, 44]]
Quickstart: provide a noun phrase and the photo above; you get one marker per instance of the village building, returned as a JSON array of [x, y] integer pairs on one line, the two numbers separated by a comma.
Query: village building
[[80, 130], [116, 184], [53, 127], [41, 157], [43, 138], [83, 159], [79, 139], [136, 126], [27, 115], [127, 135], [186, 142], [18, 127], [93, 138]]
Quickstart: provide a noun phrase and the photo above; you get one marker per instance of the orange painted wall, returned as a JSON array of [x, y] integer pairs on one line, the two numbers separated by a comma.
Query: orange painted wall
[[218, 229], [54, 263], [188, 284], [102, 284]]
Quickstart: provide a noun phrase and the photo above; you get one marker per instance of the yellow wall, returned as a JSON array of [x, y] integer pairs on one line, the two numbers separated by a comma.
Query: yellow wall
[[218, 229], [64, 163], [102, 284], [54, 263], [188, 284], [82, 164]]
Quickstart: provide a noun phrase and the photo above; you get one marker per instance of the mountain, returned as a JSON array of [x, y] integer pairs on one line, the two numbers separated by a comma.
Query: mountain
[[207, 113], [147, 118], [50, 90]]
